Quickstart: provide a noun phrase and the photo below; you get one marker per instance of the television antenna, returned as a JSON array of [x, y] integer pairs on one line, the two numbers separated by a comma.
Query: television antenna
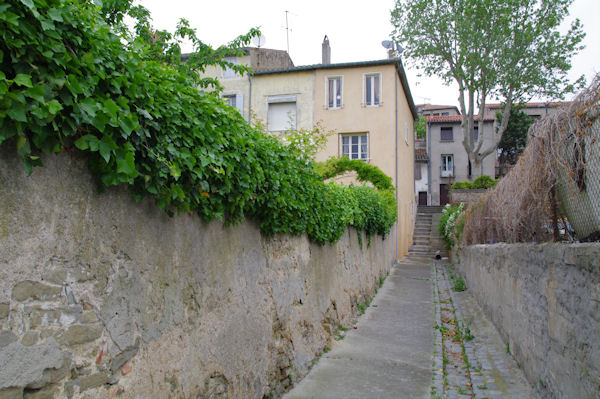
[[287, 30], [259, 41], [391, 45]]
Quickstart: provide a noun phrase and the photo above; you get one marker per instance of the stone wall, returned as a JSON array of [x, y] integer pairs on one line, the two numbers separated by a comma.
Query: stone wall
[[465, 195], [101, 296], [545, 301]]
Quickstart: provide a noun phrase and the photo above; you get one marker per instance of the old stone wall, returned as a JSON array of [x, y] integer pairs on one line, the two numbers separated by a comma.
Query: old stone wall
[[545, 301], [466, 195], [101, 296]]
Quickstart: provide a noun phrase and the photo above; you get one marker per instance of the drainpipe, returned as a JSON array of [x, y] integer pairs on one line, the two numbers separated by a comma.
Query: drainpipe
[[249, 98], [396, 158], [428, 136]]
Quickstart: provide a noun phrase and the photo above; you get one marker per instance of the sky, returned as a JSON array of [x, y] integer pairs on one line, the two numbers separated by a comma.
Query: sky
[[355, 30]]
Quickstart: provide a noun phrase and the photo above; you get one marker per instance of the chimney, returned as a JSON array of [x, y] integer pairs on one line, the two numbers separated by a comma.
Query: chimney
[[325, 51]]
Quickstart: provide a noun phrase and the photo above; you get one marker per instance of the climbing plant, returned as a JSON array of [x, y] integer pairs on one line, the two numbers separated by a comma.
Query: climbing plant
[[365, 172], [74, 78]]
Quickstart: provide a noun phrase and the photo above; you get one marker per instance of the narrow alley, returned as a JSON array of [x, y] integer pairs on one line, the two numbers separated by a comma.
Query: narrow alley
[[423, 336]]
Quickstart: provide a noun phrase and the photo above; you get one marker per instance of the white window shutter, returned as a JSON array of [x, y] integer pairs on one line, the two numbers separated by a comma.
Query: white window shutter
[[239, 103]]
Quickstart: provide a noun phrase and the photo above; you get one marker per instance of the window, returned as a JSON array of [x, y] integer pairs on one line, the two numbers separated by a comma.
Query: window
[[372, 89], [228, 72], [447, 168], [281, 113], [445, 113], [235, 101], [446, 134], [334, 92], [475, 134], [354, 146]]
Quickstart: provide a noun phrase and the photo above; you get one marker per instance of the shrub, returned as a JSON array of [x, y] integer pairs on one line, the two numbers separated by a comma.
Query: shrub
[[461, 185], [450, 226], [484, 181]]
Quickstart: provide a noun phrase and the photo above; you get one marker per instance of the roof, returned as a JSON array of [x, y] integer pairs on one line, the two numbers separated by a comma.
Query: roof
[[389, 61], [421, 155], [433, 107], [454, 119], [551, 104]]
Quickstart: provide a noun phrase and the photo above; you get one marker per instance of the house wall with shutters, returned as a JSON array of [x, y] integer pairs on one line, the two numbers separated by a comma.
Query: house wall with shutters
[[380, 123], [460, 160]]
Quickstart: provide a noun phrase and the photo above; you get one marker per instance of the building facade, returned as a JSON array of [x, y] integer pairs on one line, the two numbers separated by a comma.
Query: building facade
[[448, 159], [367, 104]]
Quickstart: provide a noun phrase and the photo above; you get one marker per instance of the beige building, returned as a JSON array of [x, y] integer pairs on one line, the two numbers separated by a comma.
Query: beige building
[[368, 105]]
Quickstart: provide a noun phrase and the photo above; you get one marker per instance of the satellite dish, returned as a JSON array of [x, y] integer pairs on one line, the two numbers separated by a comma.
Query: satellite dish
[[387, 44], [259, 41], [399, 48]]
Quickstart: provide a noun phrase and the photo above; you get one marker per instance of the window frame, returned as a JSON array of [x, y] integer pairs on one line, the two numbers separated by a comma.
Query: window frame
[[229, 73], [445, 128], [334, 78], [360, 135], [444, 172], [283, 99], [367, 76]]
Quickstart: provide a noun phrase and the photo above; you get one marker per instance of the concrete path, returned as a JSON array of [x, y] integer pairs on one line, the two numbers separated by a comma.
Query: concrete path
[[389, 354]]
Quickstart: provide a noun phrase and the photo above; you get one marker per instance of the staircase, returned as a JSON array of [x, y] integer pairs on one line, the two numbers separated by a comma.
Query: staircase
[[426, 240]]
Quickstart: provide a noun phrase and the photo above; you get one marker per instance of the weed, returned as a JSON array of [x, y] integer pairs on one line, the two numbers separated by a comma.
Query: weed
[[461, 391], [381, 280], [484, 386], [361, 308], [508, 348], [326, 349], [342, 328], [459, 284]]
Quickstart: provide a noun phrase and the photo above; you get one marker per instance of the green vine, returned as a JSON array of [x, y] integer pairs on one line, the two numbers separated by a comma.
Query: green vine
[[366, 172], [73, 76]]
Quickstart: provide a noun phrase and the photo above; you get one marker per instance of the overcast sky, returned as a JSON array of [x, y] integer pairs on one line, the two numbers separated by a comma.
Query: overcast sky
[[355, 30]]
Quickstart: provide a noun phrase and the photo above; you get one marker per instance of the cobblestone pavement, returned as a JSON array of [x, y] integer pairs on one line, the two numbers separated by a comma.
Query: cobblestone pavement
[[470, 358]]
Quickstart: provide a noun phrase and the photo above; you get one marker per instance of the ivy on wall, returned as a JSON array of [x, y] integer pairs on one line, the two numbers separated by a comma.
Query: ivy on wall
[[69, 79]]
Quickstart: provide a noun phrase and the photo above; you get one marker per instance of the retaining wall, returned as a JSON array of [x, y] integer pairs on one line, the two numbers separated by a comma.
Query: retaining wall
[[466, 195], [101, 296], [545, 301]]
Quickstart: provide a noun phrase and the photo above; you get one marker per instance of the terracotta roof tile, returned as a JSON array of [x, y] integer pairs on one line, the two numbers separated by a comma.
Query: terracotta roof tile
[[532, 105], [454, 119]]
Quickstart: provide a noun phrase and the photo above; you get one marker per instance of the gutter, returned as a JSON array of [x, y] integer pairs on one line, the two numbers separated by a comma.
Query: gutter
[[249, 98], [396, 171]]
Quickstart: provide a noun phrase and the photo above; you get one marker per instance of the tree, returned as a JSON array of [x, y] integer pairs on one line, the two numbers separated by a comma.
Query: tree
[[514, 139], [508, 49], [421, 127]]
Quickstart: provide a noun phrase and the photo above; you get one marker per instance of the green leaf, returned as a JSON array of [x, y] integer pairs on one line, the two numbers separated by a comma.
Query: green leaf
[[73, 85], [55, 14], [23, 80], [28, 3], [126, 165], [84, 142], [10, 18], [35, 92], [105, 150], [54, 106], [111, 108], [17, 112], [89, 106]]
